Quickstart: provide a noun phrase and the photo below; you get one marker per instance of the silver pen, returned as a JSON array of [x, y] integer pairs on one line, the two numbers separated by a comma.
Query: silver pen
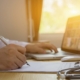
[[2, 39]]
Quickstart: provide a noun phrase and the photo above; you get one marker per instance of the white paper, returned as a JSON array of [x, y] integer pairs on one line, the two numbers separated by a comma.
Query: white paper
[[44, 67]]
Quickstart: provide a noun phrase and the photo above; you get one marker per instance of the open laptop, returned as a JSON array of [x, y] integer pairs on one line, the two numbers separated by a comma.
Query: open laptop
[[70, 43]]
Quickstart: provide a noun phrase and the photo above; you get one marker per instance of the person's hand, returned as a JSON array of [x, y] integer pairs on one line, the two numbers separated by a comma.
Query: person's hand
[[12, 57], [40, 47]]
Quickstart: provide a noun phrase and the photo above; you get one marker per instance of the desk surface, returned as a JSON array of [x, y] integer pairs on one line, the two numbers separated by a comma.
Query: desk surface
[[28, 76]]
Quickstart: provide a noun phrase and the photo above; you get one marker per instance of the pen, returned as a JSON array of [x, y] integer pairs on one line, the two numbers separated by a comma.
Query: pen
[[1, 38]]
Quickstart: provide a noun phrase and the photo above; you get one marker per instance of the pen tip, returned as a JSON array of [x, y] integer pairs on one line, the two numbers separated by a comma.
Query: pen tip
[[27, 64]]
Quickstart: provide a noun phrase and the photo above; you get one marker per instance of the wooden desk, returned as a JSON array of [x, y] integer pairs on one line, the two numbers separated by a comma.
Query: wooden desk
[[28, 76]]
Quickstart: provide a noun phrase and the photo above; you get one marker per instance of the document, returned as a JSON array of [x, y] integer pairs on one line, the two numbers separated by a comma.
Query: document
[[44, 67]]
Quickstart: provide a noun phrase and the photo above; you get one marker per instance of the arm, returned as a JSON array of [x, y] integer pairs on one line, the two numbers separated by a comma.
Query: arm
[[33, 47], [20, 43]]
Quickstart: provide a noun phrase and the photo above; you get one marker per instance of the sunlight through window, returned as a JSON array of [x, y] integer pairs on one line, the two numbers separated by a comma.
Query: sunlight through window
[[55, 14]]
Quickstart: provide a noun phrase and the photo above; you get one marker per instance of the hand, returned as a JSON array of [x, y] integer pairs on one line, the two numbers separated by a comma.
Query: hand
[[40, 47], [12, 57]]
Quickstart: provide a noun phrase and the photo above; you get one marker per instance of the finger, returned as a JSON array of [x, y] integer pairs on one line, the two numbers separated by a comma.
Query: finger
[[21, 57], [12, 66], [49, 46], [19, 63], [52, 47], [19, 48]]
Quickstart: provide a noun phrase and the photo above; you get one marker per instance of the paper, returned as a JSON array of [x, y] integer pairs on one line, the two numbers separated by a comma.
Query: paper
[[44, 67]]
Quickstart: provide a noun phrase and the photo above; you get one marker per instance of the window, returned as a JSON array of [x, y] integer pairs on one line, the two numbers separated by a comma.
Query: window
[[55, 14]]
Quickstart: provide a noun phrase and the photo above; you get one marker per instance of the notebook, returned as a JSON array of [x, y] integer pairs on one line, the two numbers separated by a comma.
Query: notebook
[[70, 43], [47, 67]]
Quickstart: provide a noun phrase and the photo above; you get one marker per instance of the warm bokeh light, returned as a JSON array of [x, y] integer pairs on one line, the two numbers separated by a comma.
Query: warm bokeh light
[[55, 14]]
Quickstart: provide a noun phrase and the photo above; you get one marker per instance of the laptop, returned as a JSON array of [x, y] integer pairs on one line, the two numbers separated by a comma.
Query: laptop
[[70, 43]]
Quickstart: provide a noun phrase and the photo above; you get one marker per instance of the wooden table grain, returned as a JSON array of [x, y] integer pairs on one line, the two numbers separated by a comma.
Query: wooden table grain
[[27, 76]]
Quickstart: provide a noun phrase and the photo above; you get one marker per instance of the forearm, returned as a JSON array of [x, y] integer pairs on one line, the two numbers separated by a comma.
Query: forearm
[[20, 43]]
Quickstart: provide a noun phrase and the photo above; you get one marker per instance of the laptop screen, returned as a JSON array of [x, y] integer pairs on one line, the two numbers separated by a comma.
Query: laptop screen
[[71, 39]]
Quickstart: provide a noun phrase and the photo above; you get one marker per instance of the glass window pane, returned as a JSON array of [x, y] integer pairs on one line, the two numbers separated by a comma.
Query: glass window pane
[[55, 14]]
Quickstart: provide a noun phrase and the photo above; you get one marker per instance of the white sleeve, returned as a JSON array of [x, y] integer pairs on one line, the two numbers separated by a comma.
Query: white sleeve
[[20, 43]]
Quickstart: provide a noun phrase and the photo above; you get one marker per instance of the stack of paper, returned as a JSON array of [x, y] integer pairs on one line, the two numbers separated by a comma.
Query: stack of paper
[[44, 67]]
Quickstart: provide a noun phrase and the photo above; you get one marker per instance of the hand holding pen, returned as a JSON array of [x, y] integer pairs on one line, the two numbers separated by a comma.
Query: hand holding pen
[[18, 50]]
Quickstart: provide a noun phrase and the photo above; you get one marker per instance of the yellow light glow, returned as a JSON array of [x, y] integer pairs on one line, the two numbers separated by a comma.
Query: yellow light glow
[[55, 14], [74, 11], [59, 3]]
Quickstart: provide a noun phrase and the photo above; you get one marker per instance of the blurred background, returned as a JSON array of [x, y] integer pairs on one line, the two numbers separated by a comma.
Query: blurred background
[[36, 20]]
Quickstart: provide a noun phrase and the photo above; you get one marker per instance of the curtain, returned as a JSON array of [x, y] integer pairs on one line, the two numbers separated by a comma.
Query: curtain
[[35, 14]]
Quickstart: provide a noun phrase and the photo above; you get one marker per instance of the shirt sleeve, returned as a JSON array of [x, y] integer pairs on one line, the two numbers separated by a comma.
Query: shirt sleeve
[[20, 43]]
